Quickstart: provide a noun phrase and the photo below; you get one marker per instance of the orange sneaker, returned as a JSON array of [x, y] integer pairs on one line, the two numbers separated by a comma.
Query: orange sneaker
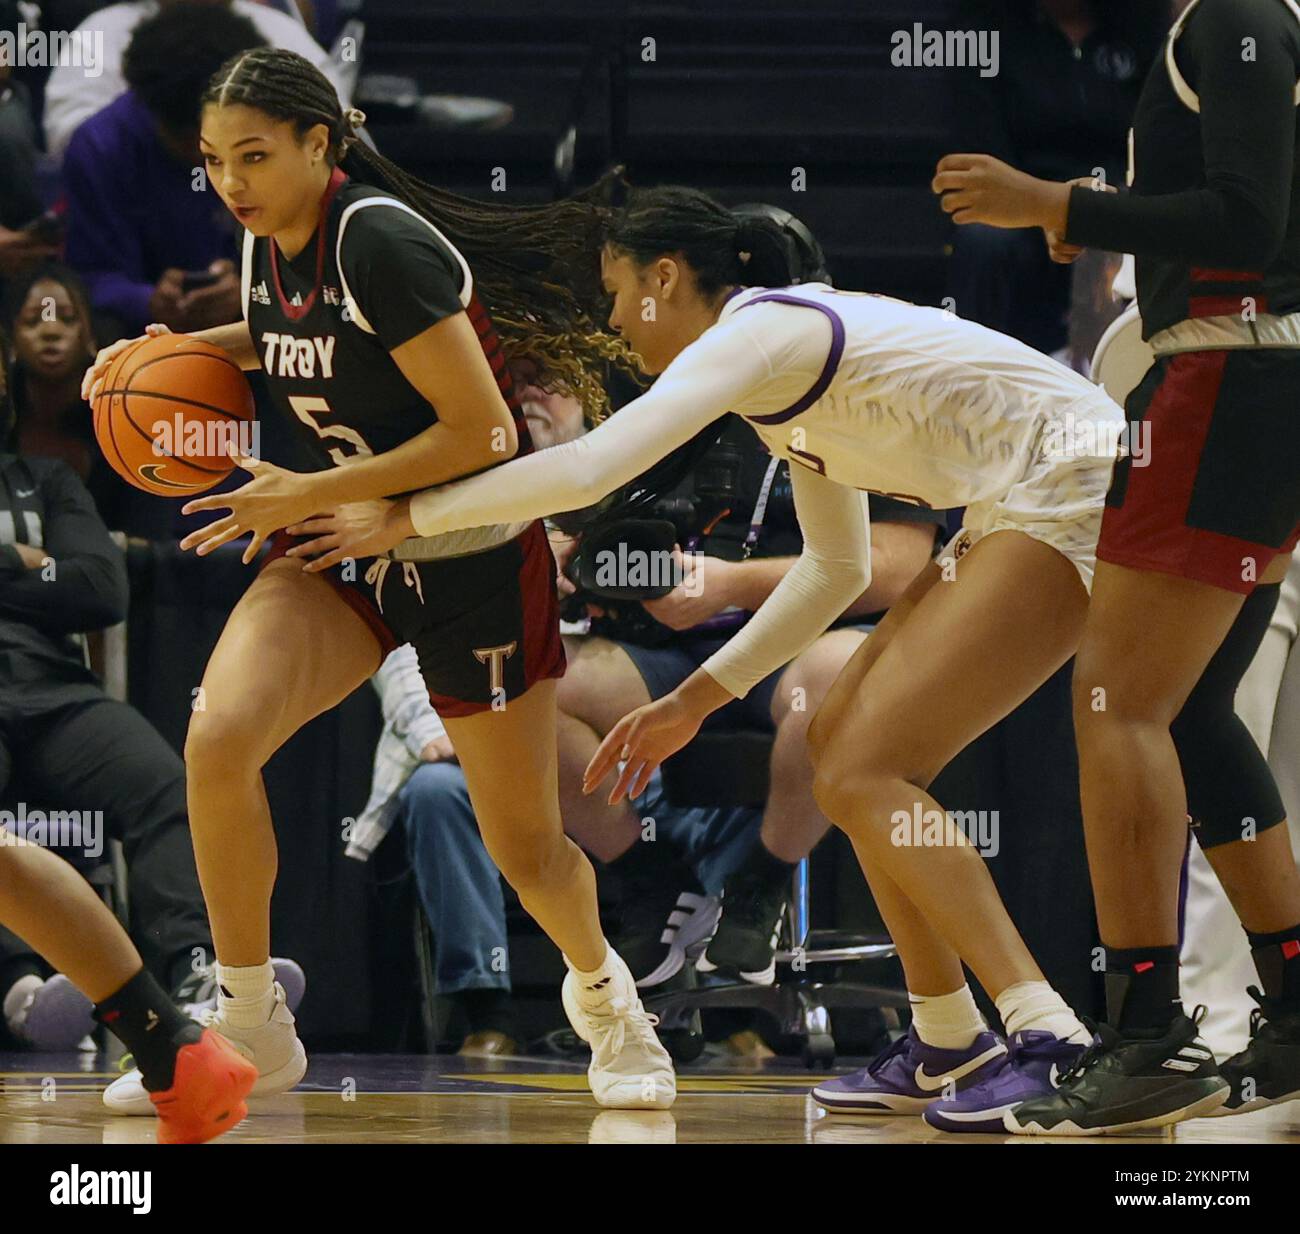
[[207, 1094]]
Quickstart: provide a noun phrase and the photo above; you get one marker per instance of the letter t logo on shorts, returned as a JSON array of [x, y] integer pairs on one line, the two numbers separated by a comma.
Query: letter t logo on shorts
[[496, 658]]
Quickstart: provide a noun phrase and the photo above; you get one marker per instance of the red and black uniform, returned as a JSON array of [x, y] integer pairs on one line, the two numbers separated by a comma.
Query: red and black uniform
[[1213, 219], [479, 607]]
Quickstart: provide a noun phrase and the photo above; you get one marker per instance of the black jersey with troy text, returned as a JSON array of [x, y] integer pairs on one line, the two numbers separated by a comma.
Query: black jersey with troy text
[[1213, 215], [374, 276]]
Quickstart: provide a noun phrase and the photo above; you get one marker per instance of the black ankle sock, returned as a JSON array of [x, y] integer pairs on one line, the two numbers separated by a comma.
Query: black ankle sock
[[1142, 990], [1277, 960], [765, 867], [487, 1010], [150, 1025]]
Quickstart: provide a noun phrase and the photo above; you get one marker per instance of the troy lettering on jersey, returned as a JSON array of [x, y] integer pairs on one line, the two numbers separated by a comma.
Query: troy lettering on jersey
[[283, 355]]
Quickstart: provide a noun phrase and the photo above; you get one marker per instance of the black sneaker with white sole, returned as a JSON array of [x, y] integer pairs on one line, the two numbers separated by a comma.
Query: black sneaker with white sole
[[746, 938], [1126, 1083], [662, 924], [1267, 1071]]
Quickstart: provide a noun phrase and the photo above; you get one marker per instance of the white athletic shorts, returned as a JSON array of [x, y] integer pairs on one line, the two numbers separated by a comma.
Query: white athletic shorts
[[1061, 497]]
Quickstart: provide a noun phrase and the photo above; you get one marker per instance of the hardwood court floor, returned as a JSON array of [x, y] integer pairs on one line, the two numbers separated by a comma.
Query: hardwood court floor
[[356, 1098]]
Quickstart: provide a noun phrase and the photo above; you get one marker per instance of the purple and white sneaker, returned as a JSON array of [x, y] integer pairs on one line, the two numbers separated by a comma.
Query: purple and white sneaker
[[908, 1076], [1030, 1068], [49, 1015]]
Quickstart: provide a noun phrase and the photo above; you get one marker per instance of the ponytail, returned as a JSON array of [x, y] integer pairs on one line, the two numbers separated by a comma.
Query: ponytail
[[721, 248]]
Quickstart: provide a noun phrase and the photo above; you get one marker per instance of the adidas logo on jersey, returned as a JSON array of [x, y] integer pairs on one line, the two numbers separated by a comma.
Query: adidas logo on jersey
[[259, 294]]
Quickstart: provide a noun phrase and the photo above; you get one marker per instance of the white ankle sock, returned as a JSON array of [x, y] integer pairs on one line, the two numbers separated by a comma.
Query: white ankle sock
[[247, 994], [946, 1021], [1034, 1004], [593, 986]]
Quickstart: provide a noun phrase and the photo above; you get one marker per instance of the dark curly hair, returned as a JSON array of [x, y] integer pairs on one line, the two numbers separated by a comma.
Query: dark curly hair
[[172, 56]]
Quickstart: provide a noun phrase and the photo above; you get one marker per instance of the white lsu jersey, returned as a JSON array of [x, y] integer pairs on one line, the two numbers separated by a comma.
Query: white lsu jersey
[[920, 405]]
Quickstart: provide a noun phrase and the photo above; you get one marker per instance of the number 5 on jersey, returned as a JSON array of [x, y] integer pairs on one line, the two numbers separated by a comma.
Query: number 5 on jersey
[[308, 406]]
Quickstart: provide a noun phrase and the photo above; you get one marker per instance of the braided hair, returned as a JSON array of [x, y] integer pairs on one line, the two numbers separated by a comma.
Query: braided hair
[[535, 267]]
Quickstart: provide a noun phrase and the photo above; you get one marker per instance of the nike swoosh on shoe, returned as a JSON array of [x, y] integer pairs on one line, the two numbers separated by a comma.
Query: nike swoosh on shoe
[[932, 1084]]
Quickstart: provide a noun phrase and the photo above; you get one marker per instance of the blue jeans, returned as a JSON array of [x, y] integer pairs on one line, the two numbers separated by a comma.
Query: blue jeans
[[460, 887], [458, 884]]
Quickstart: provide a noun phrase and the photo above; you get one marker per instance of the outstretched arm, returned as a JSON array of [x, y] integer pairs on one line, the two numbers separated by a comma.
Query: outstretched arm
[[833, 570], [709, 378]]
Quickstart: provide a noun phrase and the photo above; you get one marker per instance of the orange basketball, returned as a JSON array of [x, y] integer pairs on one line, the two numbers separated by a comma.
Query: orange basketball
[[169, 411]]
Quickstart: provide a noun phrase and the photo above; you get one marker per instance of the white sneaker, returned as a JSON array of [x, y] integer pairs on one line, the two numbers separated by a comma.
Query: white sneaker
[[630, 1069], [274, 1047], [198, 992]]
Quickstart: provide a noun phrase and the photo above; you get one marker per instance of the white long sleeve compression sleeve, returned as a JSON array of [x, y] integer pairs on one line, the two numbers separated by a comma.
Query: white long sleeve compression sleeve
[[705, 381], [730, 364], [831, 572]]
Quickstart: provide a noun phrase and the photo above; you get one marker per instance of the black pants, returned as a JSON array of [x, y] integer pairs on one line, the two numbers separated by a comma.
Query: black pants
[[97, 754]]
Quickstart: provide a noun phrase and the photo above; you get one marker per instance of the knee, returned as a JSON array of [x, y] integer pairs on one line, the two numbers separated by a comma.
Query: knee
[[840, 787], [225, 741], [818, 737], [570, 690], [1104, 703], [527, 861], [432, 783], [583, 692], [827, 791], [856, 801]]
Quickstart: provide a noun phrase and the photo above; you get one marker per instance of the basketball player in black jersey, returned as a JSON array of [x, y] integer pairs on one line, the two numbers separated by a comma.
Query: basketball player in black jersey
[[374, 338], [1192, 550]]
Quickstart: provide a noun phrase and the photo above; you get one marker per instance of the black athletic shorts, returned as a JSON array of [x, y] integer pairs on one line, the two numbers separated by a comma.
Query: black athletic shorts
[[486, 626], [1219, 496]]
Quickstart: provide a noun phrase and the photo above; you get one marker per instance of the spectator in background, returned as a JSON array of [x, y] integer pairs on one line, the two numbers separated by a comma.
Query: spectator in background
[[1068, 80], [71, 96], [20, 203], [151, 240], [46, 316], [64, 744]]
